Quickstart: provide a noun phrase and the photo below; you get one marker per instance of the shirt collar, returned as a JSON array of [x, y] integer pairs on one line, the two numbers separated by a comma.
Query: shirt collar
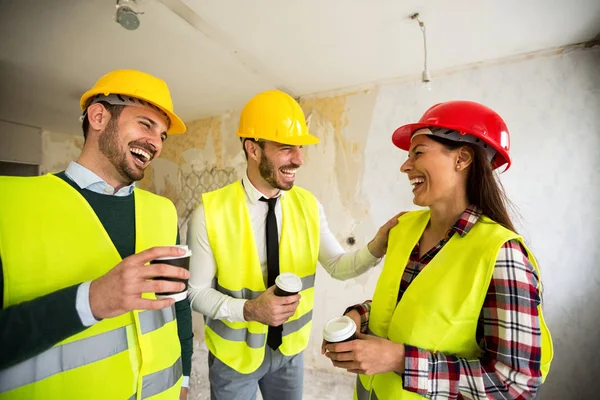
[[86, 179], [466, 221], [253, 193]]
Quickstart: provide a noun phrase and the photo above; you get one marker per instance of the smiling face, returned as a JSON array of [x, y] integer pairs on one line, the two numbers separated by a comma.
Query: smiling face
[[432, 171], [272, 166], [278, 164], [133, 140]]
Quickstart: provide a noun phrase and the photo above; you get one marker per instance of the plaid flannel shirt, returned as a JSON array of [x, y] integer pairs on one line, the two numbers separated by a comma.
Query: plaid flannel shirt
[[508, 331]]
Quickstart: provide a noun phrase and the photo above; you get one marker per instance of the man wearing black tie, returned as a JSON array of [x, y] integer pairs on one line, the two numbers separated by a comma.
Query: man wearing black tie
[[247, 233]]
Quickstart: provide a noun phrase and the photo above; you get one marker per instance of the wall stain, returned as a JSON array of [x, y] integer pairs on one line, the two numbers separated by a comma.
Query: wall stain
[[348, 117], [196, 137], [58, 150]]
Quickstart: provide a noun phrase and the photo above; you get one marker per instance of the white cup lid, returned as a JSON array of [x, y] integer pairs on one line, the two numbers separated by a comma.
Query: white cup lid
[[289, 282], [188, 253], [339, 329]]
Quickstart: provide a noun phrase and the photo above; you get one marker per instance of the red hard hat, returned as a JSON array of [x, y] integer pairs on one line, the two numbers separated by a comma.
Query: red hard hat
[[467, 117]]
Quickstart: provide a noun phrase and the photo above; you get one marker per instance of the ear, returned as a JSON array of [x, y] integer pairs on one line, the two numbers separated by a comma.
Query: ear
[[98, 116], [252, 148], [464, 157]]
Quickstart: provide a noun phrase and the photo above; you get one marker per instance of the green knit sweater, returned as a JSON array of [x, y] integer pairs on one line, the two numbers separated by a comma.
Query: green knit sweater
[[32, 327]]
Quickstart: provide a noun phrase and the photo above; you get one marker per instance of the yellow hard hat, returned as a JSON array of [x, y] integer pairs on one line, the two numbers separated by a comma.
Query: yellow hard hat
[[274, 115], [139, 85]]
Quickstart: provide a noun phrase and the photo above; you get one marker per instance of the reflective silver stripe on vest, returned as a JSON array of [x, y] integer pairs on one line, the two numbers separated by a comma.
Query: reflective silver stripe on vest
[[297, 324], [253, 340], [238, 294], [151, 320], [308, 282], [361, 392], [160, 381], [245, 293], [63, 358]]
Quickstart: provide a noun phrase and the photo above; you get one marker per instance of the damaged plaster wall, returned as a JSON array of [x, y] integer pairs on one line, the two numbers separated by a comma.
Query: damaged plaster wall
[[551, 106], [58, 150]]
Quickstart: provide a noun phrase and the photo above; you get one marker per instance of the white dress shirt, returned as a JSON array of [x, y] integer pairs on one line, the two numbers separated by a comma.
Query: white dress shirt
[[203, 268]]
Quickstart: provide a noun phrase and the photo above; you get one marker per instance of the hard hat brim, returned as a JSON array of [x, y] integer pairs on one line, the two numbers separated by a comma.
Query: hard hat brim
[[402, 135]]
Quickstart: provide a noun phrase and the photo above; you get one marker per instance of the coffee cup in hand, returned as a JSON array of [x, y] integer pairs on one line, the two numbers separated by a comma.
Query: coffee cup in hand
[[182, 261], [339, 329], [287, 284]]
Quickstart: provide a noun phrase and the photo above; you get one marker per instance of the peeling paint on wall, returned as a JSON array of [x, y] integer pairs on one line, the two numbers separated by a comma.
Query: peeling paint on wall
[[198, 135], [201, 160], [342, 123], [58, 150]]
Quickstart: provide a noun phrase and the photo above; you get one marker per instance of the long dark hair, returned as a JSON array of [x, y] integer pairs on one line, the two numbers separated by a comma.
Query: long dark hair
[[484, 189]]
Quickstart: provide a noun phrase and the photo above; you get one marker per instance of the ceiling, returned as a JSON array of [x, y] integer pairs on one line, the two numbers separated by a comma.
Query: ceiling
[[216, 54]]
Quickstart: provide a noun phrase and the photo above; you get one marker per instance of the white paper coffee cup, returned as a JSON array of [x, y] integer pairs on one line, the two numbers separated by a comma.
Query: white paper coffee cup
[[287, 284], [339, 329]]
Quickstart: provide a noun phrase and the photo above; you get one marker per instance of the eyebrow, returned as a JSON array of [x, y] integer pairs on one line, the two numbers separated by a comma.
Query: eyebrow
[[282, 145], [416, 147], [150, 121]]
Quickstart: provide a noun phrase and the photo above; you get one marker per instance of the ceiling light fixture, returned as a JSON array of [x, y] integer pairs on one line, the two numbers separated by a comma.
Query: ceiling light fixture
[[126, 16], [425, 75]]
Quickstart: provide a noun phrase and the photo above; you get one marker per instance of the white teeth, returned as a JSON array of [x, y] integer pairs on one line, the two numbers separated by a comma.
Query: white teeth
[[416, 181], [289, 171], [140, 152]]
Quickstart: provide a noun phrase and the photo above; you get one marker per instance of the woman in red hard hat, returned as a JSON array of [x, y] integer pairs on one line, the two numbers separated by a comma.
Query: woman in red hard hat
[[457, 309]]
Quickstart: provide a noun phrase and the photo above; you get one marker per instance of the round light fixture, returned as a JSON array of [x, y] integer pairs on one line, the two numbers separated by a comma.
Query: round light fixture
[[126, 16]]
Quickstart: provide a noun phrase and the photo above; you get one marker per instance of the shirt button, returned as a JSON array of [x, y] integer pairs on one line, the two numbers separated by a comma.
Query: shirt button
[[107, 190]]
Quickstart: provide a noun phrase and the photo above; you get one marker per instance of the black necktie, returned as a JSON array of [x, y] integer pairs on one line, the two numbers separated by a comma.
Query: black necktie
[[274, 336]]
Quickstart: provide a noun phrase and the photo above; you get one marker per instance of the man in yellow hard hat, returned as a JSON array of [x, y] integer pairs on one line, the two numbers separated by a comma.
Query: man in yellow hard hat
[[247, 233], [79, 318]]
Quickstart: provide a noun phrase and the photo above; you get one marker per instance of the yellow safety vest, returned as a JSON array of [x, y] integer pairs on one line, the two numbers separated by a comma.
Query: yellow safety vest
[[240, 345], [440, 309], [50, 238]]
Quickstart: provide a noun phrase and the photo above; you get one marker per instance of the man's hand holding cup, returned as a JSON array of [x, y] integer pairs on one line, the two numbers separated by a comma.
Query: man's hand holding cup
[[120, 289]]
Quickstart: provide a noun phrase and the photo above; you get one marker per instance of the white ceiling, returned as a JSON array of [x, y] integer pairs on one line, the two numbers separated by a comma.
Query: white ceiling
[[216, 54]]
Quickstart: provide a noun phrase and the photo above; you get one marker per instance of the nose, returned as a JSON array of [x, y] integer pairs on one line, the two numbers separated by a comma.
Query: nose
[[156, 143], [406, 167], [297, 156]]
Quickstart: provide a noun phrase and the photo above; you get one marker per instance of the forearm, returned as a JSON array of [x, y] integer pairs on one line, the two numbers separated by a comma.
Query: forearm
[[203, 271], [216, 305], [332, 256], [345, 266], [435, 375], [29, 328]]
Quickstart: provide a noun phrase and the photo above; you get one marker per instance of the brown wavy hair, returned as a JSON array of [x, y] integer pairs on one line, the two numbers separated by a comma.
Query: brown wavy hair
[[484, 188]]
